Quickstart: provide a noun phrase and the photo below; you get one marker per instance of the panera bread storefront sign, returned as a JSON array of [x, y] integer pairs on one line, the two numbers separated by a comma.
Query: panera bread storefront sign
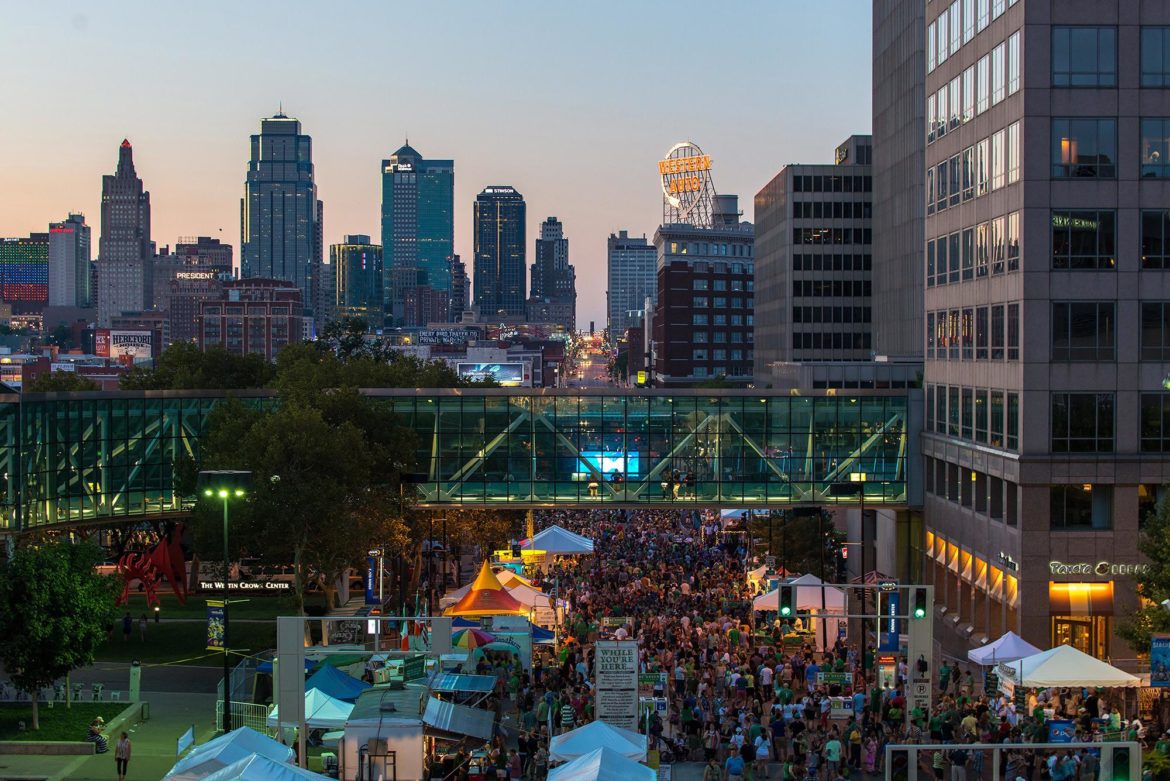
[[1101, 569]]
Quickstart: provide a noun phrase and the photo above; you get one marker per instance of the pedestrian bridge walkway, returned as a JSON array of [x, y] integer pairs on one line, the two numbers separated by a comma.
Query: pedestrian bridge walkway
[[96, 457]]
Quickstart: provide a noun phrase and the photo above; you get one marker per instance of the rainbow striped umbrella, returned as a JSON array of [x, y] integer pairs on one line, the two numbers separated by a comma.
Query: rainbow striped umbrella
[[471, 638]]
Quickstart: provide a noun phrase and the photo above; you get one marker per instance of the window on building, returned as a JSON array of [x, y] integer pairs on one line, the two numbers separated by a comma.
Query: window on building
[[998, 73], [968, 166], [969, 94], [982, 14], [1083, 331], [1082, 422], [1013, 63], [1013, 332], [1012, 152], [1156, 331], [995, 239], [998, 332], [1156, 56], [981, 412], [940, 402], [1083, 240], [997, 410], [953, 258], [699, 320], [1084, 147], [998, 159], [1084, 56], [1082, 507], [968, 334], [968, 253], [968, 397], [1012, 241], [983, 84], [982, 333], [982, 167], [1156, 239], [1155, 422], [699, 284], [982, 256], [1155, 148], [953, 411], [1013, 421]]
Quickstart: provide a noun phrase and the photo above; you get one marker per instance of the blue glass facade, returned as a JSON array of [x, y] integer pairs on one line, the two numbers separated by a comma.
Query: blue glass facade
[[500, 244]]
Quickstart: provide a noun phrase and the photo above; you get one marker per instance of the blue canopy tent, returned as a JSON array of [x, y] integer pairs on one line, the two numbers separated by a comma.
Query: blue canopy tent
[[336, 684], [266, 666]]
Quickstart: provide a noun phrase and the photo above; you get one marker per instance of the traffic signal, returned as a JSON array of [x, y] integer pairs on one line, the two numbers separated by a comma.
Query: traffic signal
[[786, 601], [920, 606]]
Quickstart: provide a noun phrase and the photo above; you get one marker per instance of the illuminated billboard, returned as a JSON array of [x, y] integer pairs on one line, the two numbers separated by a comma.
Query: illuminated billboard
[[508, 375], [607, 463], [127, 345]]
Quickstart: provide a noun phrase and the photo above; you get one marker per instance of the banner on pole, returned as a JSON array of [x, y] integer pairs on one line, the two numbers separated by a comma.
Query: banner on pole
[[215, 625], [185, 741], [1160, 660]]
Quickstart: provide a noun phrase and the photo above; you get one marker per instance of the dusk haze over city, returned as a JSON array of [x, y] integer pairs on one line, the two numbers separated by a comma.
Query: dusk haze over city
[[606, 391]]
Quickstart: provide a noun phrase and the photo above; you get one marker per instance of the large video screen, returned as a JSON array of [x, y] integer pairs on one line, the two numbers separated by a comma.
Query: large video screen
[[509, 375], [626, 464]]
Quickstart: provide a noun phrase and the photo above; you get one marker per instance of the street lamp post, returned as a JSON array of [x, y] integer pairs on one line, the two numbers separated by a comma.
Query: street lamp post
[[225, 484]]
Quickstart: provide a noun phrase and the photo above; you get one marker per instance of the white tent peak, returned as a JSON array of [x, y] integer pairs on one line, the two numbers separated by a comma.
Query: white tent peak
[[321, 711], [602, 764], [261, 768], [559, 541], [1066, 666], [225, 750], [1009, 648], [594, 735]]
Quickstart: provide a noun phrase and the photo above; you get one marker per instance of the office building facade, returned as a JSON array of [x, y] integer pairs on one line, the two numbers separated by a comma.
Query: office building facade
[[899, 143], [703, 319], [1045, 303], [418, 227], [24, 272], [357, 268], [553, 296], [814, 262], [125, 251], [281, 220], [632, 274], [252, 316], [69, 259], [459, 301], [499, 232], [194, 272]]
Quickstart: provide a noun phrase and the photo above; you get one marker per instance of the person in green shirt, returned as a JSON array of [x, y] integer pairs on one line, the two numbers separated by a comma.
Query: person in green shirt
[[1163, 744], [783, 693]]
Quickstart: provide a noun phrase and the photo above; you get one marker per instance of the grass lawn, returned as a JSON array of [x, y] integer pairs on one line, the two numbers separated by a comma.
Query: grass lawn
[[57, 723], [184, 642]]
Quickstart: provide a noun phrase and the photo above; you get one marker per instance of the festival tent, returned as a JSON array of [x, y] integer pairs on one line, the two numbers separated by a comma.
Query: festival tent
[[226, 750], [808, 595], [336, 684], [583, 740], [321, 711], [559, 542], [525, 594], [486, 598], [260, 768], [1009, 648], [1066, 666], [602, 764]]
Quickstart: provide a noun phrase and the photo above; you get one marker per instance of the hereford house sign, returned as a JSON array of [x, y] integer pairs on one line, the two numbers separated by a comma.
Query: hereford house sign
[[1100, 569]]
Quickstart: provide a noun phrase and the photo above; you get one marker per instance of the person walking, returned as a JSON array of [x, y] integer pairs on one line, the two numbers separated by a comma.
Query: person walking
[[122, 756], [127, 625]]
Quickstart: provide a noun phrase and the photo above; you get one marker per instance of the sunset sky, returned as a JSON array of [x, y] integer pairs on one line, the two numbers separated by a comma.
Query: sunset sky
[[571, 103]]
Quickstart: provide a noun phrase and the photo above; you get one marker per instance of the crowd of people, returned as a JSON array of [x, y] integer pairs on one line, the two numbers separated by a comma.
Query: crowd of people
[[753, 701]]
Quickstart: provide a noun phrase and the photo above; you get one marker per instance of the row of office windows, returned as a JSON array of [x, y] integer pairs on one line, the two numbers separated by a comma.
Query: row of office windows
[[707, 248], [833, 262], [979, 169], [721, 319], [703, 354], [957, 24], [720, 285], [832, 236], [981, 86], [832, 210], [820, 340], [989, 495], [1086, 147], [1087, 331], [982, 415], [831, 288], [1087, 57], [991, 247], [980, 333], [721, 337], [831, 314], [831, 183], [720, 302]]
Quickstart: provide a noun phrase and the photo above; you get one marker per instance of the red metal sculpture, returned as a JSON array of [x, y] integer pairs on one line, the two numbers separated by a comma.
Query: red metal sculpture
[[164, 560]]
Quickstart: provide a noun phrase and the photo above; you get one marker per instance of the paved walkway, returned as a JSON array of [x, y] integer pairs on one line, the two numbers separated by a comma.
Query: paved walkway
[[153, 744]]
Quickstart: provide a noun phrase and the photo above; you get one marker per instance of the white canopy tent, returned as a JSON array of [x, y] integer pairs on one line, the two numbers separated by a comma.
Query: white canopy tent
[[260, 768], [1065, 666], [602, 764], [559, 542], [226, 750], [1009, 648], [808, 594], [594, 735], [321, 711]]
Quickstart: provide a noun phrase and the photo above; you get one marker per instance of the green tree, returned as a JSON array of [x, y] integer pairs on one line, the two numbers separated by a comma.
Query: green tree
[[54, 611], [183, 366], [1153, 583], [799, 542], [346, 337], [61, 382]]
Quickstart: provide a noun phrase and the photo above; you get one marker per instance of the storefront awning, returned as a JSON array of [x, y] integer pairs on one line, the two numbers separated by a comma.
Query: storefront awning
[[1080, 599]]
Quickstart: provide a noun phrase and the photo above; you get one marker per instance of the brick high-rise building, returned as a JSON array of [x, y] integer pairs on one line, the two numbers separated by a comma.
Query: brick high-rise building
[[252, 316]]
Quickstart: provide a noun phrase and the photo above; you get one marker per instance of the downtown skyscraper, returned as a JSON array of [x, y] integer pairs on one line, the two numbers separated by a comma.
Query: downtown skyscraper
[[69, 278], [499, 234], [280, 216], [125, 251], [418, 230], [553, 297]]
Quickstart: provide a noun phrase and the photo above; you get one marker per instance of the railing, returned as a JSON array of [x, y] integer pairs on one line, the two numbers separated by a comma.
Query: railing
[[244, 714]]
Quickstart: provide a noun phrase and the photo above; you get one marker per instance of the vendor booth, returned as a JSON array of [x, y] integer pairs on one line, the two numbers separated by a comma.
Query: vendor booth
[[1009, 648], [336, 684], [594, 735], [556, 541], [813, 600], [602, 764], [321, 711], [487, 597], [1064, 666], [226, 750]]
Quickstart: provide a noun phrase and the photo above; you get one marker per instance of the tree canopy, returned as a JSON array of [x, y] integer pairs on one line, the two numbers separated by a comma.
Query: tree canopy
[[61, 382], [1153, 583], [54, 612], [183, 366]]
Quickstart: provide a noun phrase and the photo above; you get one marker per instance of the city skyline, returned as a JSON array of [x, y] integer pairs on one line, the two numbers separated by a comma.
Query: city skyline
[[590, 159]]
